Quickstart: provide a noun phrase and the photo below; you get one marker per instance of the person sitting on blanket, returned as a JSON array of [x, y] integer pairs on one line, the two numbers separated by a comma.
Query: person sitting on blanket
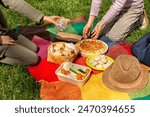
[[15, 48], [119, 21]]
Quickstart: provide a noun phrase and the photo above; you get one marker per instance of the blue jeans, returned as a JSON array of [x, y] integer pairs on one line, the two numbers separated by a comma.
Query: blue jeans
[[108, 41]]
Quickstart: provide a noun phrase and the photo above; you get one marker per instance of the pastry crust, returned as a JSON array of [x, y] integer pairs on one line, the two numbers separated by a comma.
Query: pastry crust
[[89, 47]]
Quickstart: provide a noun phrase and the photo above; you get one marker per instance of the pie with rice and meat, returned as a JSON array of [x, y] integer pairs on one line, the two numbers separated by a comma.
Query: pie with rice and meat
[[89, 47]]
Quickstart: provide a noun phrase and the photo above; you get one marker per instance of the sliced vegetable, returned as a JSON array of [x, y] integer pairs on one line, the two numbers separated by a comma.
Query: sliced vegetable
[[77, 71], [74, 69], [82, 71]]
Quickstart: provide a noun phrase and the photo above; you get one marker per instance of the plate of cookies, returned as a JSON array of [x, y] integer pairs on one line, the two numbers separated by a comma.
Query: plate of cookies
[[99, 62]]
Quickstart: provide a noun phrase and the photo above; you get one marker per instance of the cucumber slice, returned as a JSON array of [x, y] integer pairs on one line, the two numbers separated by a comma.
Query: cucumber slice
[[77, 71], [83, 72], [74, 69]]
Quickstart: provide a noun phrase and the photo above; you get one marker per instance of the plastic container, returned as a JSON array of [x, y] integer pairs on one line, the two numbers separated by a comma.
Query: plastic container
[[71, 78]]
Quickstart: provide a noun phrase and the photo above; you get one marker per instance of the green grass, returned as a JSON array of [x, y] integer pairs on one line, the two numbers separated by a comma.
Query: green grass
[[15, 81]]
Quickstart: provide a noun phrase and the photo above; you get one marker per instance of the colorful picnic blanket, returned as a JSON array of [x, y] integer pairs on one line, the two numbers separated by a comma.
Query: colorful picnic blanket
[[94, 89], [47, 69]]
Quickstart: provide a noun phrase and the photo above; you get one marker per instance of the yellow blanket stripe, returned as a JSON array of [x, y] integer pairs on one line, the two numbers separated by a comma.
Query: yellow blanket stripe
[[94, 89]]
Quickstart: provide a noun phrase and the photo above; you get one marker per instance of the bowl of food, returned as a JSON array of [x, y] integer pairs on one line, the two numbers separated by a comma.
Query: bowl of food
[[99, 62], [73, 73], [90, 47], [60, 52]]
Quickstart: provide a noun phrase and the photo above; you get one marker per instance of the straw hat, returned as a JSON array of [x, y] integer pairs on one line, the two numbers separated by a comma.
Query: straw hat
[[126, 74]]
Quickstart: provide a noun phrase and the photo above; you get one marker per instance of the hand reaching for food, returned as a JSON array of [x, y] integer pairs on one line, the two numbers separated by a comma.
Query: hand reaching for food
[[51, 19], [98, 29]]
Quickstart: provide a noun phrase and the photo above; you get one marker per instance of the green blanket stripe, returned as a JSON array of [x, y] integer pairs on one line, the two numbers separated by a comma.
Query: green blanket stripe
[[17, 28], [75, 28], [142, 93], [143, 98], [53, 30]]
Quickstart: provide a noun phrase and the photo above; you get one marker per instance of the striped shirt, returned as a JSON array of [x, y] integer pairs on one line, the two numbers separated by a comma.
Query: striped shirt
[[116, 7]]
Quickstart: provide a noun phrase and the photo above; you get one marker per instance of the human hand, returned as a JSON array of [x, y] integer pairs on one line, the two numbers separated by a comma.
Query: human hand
[[87, 30], [63, 23], [88, 27], [7, 40], [51, 19], [98, 29]]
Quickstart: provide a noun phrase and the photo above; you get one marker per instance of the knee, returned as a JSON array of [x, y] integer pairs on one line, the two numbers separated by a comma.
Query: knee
[[34, 59], [115, 37]]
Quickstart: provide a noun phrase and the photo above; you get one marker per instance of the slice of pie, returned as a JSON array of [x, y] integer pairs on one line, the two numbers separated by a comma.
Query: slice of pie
[[89, 47]]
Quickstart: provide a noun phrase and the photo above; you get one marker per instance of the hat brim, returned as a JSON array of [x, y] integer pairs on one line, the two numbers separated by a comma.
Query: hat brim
[[139, 84]]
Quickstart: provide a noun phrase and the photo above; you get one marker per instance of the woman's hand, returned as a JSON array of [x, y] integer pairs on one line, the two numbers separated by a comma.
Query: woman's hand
[[98, 29], [7, 40], [88, 27], [87, 30], [51, 19]]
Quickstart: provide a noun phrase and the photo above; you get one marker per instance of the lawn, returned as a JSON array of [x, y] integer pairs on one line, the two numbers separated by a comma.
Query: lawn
[[15, 81]]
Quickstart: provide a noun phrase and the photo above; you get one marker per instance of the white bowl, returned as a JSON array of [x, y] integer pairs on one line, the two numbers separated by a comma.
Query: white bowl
[[70, 78]]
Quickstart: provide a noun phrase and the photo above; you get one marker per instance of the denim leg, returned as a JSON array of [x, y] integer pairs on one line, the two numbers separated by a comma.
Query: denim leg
[[108, 41]]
